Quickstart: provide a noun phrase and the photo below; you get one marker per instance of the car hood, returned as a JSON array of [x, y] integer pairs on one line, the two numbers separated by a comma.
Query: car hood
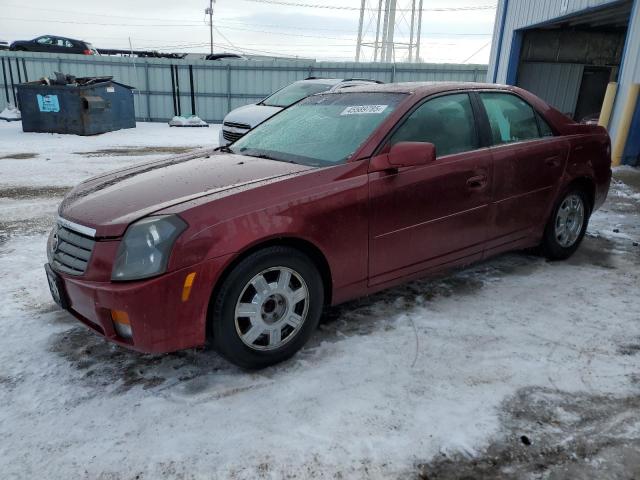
[[109, 203], [251, 115]]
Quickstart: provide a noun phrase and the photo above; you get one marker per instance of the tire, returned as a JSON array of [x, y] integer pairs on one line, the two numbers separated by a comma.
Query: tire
[[567, 225], [260, 315]]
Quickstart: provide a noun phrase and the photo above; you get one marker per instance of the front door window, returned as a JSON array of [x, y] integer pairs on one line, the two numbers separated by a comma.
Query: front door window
[[447, 122]]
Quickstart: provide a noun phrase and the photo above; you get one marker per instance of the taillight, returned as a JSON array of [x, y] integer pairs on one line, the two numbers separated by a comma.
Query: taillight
[[87, 52]]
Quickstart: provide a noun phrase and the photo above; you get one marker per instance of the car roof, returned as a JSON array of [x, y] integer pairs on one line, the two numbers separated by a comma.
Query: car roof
[[322, 81], [422, 88], [60, 36]]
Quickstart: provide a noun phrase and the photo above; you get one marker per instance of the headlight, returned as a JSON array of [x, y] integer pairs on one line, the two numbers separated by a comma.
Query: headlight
[[145, 249]]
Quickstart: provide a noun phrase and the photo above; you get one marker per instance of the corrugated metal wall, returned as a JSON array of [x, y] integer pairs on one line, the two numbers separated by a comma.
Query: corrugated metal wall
[[525, 13], [557, 83], [218, 87]]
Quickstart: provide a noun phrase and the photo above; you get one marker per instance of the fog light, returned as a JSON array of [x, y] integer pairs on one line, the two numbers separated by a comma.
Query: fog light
[[121, 323]]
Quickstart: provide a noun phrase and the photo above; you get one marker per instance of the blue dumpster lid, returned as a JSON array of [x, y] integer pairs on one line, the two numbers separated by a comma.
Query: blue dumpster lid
[[123, 85]]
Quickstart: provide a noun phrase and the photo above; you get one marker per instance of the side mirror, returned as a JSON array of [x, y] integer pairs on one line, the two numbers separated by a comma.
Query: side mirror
[[404, 154]]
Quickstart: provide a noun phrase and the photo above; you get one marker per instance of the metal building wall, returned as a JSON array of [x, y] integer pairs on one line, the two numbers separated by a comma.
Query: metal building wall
[[630, 69], [524, 13], [513, 15], [218, 87], [557, 83]]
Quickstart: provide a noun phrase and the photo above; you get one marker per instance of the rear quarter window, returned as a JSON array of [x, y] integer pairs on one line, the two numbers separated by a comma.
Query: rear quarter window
[[545, 129], [511, 118]]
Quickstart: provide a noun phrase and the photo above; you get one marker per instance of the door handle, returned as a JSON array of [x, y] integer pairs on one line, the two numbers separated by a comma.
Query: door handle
[[477, 182]]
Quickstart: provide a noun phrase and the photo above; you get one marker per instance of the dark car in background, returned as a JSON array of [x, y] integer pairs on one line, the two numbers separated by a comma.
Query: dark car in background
[[54, 44], [225, 56]]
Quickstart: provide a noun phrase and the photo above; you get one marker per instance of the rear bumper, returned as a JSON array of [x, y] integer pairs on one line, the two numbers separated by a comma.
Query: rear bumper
[[602, 191], [161, 320]]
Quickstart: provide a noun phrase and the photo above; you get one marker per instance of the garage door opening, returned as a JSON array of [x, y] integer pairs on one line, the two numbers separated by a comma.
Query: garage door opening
[[569, 62]]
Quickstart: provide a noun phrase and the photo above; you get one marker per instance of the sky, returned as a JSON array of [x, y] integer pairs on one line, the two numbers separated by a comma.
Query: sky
[[270, 27]]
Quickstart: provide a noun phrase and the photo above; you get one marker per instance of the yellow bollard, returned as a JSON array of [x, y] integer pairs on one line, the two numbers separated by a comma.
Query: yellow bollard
[[607, 104], [625, 124]]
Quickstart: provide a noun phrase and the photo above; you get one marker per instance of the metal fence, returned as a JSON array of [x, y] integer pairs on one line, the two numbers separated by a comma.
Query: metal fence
[[165, 88]]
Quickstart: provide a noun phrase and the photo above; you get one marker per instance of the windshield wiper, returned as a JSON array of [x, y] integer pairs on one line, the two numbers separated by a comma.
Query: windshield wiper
[[224, 149], [269, 157], [266, 157]]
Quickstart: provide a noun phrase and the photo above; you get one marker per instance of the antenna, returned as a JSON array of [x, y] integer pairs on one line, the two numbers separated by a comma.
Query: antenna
[[387, 27]]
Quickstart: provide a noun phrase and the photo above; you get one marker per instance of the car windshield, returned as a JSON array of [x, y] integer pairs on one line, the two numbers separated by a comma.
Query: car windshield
[[294, 93], [321, 130]]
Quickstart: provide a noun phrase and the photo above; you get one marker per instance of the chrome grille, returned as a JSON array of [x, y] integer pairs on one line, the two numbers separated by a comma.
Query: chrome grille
[[242, 126], [71, 251], [231, 136]]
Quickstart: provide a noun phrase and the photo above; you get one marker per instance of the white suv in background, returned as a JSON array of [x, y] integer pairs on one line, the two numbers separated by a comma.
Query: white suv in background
[[241, 120]]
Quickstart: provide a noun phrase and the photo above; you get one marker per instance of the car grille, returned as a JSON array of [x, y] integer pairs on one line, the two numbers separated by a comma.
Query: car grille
[[71, 252], [242, 126], [231, 136]]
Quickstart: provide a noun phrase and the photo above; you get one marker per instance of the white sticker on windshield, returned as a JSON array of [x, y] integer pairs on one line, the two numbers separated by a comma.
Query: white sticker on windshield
[[364, 109]]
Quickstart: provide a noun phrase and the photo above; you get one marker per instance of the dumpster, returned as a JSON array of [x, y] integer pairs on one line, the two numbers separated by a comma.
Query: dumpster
[[81, 106]]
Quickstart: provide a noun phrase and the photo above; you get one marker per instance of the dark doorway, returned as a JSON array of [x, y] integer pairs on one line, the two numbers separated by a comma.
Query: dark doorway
[[592, 90]]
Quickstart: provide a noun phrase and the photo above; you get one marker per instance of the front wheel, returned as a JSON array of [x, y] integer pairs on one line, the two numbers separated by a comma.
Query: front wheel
[[267, 307], [567, 226]]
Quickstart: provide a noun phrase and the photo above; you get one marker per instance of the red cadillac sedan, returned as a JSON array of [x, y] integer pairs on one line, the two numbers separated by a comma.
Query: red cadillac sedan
[[341, 195]]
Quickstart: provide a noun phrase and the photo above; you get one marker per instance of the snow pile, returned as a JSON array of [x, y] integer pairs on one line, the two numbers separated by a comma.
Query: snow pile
[[190, 121], [82, 157], [10, 114]]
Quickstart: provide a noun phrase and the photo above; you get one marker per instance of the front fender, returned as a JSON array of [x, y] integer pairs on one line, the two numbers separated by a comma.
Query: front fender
[[327, 209]]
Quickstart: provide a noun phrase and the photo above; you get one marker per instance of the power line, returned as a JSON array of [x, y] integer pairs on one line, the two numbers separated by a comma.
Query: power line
[[76, 12], [334, 7], [197, 23], [105, 24], [477, 52]]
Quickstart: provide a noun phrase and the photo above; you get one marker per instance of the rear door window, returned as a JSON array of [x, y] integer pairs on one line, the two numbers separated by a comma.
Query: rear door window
[[511, 118], [447, 122]]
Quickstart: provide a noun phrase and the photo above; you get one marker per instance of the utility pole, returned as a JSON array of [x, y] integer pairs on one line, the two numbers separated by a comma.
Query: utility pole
[[376, 45], [413, 25], [390, 37], [360, 24], [209, 11], [419, 35]]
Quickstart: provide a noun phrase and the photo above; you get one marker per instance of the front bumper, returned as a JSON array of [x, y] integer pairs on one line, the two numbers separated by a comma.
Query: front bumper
[[161, 320]]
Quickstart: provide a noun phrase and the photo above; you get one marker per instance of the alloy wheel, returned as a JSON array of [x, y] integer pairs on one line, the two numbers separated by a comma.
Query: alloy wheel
[[569, 220], [271, 308]]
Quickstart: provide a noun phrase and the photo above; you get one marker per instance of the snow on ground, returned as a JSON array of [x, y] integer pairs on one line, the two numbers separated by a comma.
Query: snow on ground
[[512, 368], [57, 159]]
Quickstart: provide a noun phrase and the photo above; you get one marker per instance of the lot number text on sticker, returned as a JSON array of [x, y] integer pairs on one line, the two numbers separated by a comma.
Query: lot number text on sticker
[[364, 109]]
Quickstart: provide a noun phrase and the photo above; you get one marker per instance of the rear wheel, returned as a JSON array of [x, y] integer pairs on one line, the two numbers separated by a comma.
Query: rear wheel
[[267, 307], [567, 226]]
